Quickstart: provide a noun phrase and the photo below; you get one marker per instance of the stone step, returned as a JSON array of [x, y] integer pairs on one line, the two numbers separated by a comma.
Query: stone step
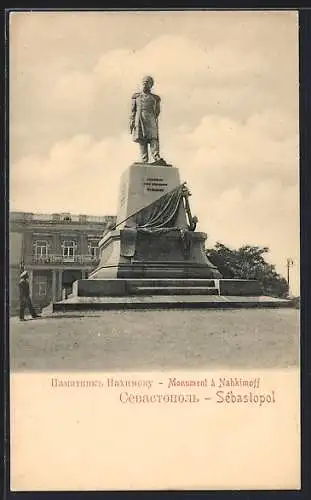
[[171, 282], [165, 302], [121, 287], [173, 290]]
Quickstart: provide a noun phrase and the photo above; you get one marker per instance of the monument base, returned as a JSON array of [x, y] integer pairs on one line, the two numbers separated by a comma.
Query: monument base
[[166, 255], [119, 294], [152, 238], [154, 258]]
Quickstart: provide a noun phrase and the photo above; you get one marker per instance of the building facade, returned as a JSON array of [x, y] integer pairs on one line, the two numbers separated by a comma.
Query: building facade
[[56, 249]]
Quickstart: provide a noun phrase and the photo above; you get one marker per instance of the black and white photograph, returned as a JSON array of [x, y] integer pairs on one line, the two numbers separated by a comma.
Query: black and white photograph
[[154, 250]]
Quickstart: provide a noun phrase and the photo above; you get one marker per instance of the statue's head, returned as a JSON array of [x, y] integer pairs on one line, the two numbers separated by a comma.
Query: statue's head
[[147, 83]]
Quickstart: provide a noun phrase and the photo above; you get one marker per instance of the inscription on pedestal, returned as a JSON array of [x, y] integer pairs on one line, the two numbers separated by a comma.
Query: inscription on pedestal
[[142, 185], [156, 184]]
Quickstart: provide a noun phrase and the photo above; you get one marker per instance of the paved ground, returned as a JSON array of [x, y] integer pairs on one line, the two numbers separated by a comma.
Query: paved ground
[[158, 340]]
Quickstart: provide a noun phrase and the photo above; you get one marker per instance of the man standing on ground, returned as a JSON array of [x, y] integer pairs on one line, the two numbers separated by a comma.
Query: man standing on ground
[[24, 297]]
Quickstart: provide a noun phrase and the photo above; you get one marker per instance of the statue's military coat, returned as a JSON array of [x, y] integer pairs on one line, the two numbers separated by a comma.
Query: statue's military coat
[[145, 110]]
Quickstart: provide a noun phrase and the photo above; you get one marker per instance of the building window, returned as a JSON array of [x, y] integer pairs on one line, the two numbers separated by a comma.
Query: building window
[[93, 248], [40, 286], [69, 250], [40, 249], [65, 216]]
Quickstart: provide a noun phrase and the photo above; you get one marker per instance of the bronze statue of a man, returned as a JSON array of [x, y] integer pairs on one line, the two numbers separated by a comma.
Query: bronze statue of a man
[[145, 110]]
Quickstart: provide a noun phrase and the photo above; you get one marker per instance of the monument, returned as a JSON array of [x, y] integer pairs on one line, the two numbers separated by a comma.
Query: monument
[[154, 235], [153, 256]]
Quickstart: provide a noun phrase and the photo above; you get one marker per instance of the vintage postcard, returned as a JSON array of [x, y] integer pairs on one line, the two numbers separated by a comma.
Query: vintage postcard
[[154, 250]]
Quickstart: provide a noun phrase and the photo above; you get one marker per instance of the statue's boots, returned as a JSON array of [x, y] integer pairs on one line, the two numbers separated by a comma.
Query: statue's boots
[[160, 162]]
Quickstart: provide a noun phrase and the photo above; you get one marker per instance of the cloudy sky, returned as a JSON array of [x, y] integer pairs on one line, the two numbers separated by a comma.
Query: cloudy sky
[[228, 83]]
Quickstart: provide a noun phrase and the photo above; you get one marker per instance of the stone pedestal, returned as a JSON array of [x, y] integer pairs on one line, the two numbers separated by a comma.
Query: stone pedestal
[[159, 268], [142, 184], [155, 256], [126, 253]]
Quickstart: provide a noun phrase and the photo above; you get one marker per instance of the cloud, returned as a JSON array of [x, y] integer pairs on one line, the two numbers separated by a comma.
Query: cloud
[[218, 153], [78, 175], [222, 152], [73, 95], [119, 72], [182, 69]]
